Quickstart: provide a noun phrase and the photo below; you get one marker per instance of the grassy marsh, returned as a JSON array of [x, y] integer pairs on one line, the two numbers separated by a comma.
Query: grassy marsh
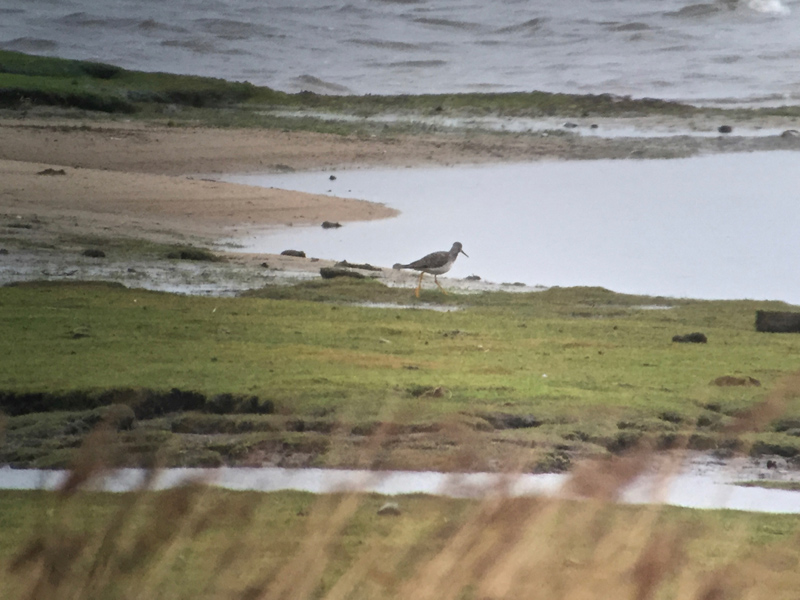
[[28, 81], [533, 381]]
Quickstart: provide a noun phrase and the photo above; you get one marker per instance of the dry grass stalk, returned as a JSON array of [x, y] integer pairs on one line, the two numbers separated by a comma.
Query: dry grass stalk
[[585, 547]]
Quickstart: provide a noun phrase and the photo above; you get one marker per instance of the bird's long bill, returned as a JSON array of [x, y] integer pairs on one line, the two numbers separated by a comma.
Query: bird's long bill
[[464, 253]]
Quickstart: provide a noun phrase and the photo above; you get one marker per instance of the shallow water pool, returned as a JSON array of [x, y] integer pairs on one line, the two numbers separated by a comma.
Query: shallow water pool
[[699, 483], [715, 227]]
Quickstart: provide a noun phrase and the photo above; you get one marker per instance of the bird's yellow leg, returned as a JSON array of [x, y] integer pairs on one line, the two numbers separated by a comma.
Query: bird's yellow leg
[[419, 284], [444, 291]]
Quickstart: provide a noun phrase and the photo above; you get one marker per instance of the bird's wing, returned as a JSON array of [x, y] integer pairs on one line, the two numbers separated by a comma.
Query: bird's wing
[[431, 261]]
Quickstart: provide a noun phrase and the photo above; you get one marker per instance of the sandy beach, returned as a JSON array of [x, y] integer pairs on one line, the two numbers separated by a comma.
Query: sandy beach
[[66, 179]]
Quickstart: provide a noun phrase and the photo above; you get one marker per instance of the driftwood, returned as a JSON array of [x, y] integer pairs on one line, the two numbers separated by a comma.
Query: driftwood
[[777, 321]]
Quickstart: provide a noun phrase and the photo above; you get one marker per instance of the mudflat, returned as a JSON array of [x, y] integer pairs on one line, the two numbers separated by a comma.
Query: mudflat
[[133, 178]]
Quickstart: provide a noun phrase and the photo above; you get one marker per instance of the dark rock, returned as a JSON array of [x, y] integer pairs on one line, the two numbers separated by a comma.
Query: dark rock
[[473, 278], [790, 133], [501, 420], [265, 265], [731, 381], [363, 266], [771, 464], [332, 177], [331, 273], [691, 338], [724, 128], [52, 172], [131, 270], [3, 251], [330, 224], [570, 125], [390, 509], [777, 321], [296, 253], [94, 253]]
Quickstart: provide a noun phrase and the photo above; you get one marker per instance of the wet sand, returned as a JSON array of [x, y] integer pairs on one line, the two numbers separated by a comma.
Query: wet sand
[[117, 179]]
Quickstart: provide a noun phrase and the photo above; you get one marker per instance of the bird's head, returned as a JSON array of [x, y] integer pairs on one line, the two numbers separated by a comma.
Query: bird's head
[[456, 249]]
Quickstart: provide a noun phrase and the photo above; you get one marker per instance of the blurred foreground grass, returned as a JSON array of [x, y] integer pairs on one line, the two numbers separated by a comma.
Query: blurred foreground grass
[[204, 543]]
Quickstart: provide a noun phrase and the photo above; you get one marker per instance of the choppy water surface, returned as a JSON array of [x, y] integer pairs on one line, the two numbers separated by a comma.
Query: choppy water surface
[[717, 51], [714, 227]]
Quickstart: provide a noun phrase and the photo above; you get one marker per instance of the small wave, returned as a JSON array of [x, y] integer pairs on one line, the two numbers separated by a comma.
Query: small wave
[[675, 48], [11, 11], [229, 29], [530, 26], [83, 19], [695, 10], [27, 44], [727, 60], [465, 25], [401, 46], [153, 25], [635, 26], [768, 6], [196, 45], [418, 63], [352, 10]]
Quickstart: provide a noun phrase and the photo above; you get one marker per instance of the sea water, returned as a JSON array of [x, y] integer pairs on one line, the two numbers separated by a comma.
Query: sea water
[[717, 52]]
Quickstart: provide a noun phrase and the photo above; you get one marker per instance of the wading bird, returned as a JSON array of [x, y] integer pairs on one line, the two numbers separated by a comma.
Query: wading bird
[[435, 263]]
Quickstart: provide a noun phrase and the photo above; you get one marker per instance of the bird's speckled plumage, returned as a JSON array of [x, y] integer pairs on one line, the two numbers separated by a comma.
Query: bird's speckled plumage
[[435, 263]]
